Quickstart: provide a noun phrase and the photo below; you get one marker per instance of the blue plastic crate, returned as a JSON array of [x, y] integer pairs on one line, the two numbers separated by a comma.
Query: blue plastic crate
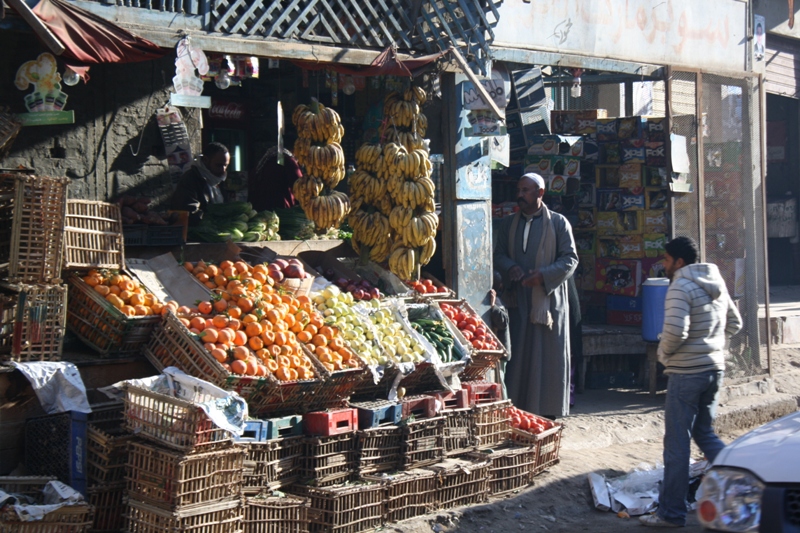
[[254, 431], [55, 445], [379, 413]]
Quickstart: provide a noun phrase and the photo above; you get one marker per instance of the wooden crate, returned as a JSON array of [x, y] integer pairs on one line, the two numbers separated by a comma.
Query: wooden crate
[[547, 444], [109, 507], [511, 467], [330, 460], [103, 327], [379, 449], [461, 482], [422, 442], [491, 424], [273, 464], [368, 390], [220, 517], [69, 519], [274, 514], [93, 236], [173, 480], [106, 454], [459, 436], [344, 508], [44, 320], [408, 494], [32, 211]]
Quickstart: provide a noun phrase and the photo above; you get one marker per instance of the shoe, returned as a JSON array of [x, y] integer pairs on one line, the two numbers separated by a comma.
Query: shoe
[[653, 520]]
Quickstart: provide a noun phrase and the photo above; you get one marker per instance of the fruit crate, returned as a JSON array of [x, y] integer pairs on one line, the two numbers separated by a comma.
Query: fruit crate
[[172, 422], [368, 390], [272, 428], [173, 345], [32, 219], [10, 127], [379, 449], [458, 431], [40, 322], [344, 508], [461, 482], [482, 392], [442, 291], [172, 480], [331, 422], [109, 507], [219, 517], [103, 327], [55, 445], [276, 514], [134, 235], [422, 442], [93, 236], [106, 454], [273, 464], [337, 386], [75, 518], [378, 413], [420, 406], [330, 460], [547, 444], [449, 400], [511, 467], [491, 424], [408, 494]]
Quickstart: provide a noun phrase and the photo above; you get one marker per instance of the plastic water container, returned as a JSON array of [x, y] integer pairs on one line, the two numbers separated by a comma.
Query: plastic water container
[[654, 293]]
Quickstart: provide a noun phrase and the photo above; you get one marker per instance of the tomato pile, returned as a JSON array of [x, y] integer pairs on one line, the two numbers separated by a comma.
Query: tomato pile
[[529, 422], [426, 286], [472, 327]]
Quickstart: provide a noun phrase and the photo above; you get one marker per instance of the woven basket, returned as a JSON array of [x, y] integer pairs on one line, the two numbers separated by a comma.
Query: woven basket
[[344, 508], [273, 514], [93, 236], [9, 129], [44, 321], [218, 517], [547, 444], [69, 519]]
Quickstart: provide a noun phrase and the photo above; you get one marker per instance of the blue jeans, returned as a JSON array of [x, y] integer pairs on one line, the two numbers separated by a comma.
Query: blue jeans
[[690, 409]]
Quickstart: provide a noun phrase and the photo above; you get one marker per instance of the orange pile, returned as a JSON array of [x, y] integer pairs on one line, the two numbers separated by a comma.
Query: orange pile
[[126, 294]]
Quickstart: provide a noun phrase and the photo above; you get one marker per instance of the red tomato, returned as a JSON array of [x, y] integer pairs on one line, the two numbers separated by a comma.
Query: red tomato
[[469, 327], [427, 282], [478, 345], [516, 421], [524, 423], [442, 289], [467, 335], [472, 320], [444, 306], [461, 316]]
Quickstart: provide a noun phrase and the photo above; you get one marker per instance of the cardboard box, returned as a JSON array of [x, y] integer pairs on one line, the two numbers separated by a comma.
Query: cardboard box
[[631, 222], [623, 318], [656, 198], [607, 223], [655, 221], [653, 267], [584, 274], [630, 176], [655, 177], [609, 199], [585, 242], [655, 129], [544, 145], [606, 129], [630, 128], [557, 185], [607, 176], [618, 276], [572, 146], [620, 246], [586, 195], [586, 219], [634, 151], [655, 154], [623, 303], [654, 244], [632, 201], [591, 149], [579, 122], [610, 153]]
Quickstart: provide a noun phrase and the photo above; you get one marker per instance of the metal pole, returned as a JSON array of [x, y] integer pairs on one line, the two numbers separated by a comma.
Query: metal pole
[[762, 126], [701, 167]]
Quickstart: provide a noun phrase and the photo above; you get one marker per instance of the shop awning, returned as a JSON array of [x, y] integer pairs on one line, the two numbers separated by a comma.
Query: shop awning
[[386, 64], [90, 39]]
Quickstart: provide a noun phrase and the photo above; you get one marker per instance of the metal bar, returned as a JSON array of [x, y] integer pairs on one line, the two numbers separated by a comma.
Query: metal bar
[[762, 123], [449, 117], [668, 145], [39, 28], [701, 167], [484, 94]]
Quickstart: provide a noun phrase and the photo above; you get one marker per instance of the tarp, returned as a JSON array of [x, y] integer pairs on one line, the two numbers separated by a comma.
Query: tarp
[[385, 64], [90, 39]]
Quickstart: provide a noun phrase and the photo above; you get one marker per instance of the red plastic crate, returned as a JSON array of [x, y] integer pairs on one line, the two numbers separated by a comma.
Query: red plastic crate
[[481, 392], [421, 406], [327, 423], [453, 400]]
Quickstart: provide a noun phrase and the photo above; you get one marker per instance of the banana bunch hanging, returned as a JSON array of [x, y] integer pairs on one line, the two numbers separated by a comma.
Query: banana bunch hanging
[[407, 125], [371, 205], [317, 149]]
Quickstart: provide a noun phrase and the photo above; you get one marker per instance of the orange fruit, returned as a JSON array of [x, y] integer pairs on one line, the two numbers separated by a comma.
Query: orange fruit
[[142, 310], [249, 318], [209, 335], [205, 308], [239, 367], [198, 323], [253, 329], [239, 338], [212, 270], [115, 300], [92, 281], [246, 304], [304, 336], [226, 335], [129, 310], [229, 272], [240, 352], [262, 371], [241, 266], [188, 266], [220, 321], [319, 340], [102, 290], [268, 337], [220, 305], [271, 365], [234, 324], [220, 280], [202, 277], [234, 311], [252, 367], [327, 332], [255, 343], [219, 355]]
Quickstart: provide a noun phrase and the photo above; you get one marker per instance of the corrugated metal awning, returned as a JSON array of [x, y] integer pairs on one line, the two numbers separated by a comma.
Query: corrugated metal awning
[[782, 69]]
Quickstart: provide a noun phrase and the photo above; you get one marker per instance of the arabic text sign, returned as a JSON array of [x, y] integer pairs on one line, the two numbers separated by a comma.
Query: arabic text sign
[[706, 35]]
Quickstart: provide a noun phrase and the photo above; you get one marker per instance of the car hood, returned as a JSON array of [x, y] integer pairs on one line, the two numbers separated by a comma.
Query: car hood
[[770, 452]]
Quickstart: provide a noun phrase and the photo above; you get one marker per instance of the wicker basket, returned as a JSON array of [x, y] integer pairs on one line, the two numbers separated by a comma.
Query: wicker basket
[[221, 517], [68, 519], [491, 424], [379, 449], [44, 321], [171, 422], [330, 460], [461, 482], [93, 236], [106, 454], [32, 212], [9, 129], [547, 444], [273, 514], [273, 464], [408, 494], [174, 481], [283, 398], [109, 507], [103, 327], [511, 468], [422, 442], [344, 508], [336, 387], [459, 436]]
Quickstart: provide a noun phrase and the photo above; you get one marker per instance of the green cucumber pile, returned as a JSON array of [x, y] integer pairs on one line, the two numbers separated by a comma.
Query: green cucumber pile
[[439, 336]]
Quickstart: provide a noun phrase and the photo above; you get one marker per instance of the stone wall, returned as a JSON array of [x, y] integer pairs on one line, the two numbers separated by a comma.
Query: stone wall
[[114, 147]]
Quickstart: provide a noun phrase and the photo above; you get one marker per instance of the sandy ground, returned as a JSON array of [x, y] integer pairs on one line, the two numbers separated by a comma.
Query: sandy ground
[[610, 432]]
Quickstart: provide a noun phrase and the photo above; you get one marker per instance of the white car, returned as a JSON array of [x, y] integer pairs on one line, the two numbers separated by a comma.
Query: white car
[[754, 484]]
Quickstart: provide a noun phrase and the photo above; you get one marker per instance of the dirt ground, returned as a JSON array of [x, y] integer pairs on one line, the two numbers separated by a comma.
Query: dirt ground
[[610, 432]]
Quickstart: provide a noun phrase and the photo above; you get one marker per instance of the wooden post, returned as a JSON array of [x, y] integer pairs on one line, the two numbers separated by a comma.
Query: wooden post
[[38, 26], [484, 94]]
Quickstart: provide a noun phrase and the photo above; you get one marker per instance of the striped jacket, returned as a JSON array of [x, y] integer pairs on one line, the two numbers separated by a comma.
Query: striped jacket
[[699, 317]]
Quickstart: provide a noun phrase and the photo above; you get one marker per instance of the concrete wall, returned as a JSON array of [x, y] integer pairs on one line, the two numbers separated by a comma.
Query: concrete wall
[[114, 146]]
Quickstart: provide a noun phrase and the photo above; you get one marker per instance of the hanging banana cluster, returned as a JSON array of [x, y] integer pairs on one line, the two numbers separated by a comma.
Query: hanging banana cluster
[[406, 124], [371, 204], [317, 149]]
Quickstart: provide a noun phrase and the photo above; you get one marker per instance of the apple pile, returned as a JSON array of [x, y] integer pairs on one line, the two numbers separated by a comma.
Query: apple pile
[[426, 286], [361, 290], [282, 269], [472, 327], [529, 422]]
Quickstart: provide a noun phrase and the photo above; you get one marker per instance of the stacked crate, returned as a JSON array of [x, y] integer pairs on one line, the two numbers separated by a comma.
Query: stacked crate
[[378, 437], [331, 456], [106, 460], [274, 454]]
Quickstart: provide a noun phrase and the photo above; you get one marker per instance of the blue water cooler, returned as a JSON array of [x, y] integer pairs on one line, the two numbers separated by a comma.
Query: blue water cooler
[[654, 293]]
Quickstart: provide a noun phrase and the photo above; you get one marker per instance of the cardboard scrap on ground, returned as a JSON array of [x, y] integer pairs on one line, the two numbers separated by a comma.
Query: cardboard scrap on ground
[[168, 280]]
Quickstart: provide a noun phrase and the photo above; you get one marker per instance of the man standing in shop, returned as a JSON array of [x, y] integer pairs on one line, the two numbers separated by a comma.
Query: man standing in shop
[[699, 317], [199, 186], [536, 254]]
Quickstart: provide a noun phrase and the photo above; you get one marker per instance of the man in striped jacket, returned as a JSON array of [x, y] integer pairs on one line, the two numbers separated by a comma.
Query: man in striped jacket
[[699, 317]]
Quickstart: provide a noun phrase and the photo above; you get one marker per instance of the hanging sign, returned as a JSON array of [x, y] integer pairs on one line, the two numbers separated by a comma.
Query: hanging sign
[[483, 121], [46, 103], [189, 61]]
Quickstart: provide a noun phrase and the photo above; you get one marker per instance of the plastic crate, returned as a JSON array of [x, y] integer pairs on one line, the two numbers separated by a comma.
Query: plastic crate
[[422, 442], [327, 423], [408, 494], [330, 460], [221, 517], [547, 444], [379, 449], [511, 467], [481, 392], [44, 321], [135, 235], [491, 424], [172, 480], [420, 406], [344, 509], [106, 454], [171, 422], [458, 431], [449, 400], [273, 514], [273, 464], [164, 235], [93, 236], [461, 482], [103, 327], [32, 218], [109, 507], [68, 519], [378, 413], [273, 428], [55, 445]]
